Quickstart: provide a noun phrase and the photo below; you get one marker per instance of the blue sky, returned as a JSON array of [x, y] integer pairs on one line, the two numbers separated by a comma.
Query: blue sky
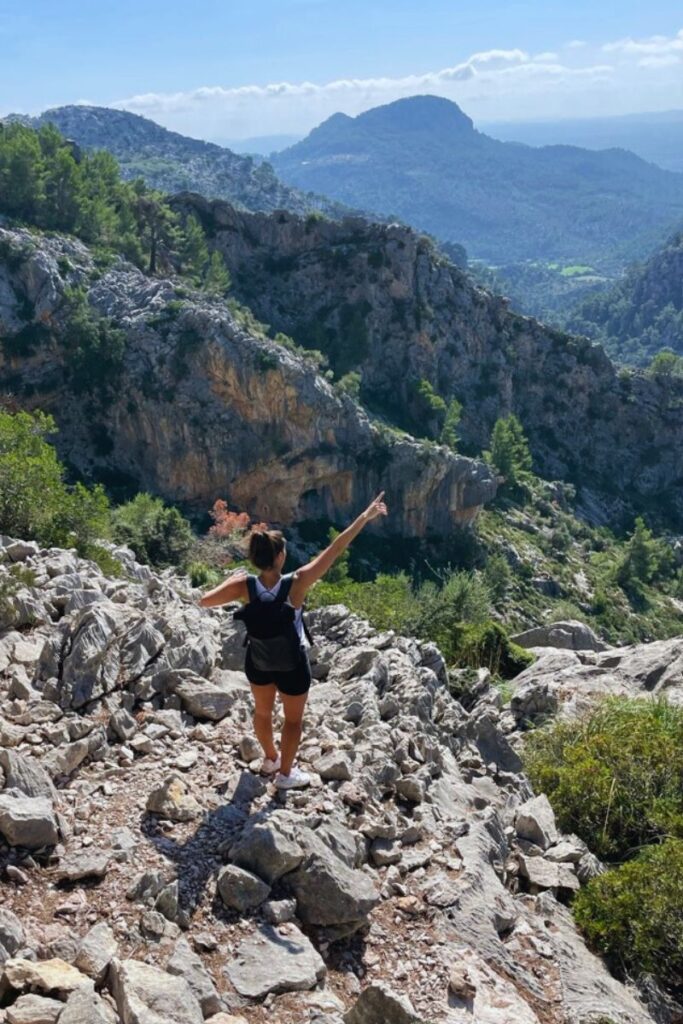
[[230, 68]]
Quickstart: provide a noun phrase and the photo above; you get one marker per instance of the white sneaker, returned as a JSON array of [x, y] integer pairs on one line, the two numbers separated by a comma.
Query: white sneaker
[[269, 767], [295, 780]]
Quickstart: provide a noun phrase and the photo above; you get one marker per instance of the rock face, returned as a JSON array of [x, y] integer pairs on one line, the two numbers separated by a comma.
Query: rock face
[[572, 636], [285, 444], [378, 299], [441, 873], [574, 680]]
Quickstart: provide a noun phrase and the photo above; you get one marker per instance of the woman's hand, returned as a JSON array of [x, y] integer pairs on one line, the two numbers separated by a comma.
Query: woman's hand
[[376, 508]]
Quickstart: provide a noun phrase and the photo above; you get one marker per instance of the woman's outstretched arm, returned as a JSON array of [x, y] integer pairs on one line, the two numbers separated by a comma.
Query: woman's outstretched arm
[[234, 588], [314, 570]]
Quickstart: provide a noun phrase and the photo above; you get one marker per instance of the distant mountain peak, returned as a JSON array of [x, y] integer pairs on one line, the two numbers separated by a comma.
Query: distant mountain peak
[[421, 113]]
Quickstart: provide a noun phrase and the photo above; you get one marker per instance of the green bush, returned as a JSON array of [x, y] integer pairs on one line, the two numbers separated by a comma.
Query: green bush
[[203, 575], [157, 533], [36, 504], [388, 602], [611, 775], [487, 645], [442, 609], [634, 913]]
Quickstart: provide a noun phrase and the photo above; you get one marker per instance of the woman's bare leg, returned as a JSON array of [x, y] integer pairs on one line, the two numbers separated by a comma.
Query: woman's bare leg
[[291, 730], [264, 701]]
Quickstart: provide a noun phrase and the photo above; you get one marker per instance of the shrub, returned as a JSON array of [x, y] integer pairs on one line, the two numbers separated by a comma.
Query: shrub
[[634, 913], [203, 575], [388, 602], [497, 576], [157, 533], [487, 645], [610, 776], [441, 610], [35, 503]]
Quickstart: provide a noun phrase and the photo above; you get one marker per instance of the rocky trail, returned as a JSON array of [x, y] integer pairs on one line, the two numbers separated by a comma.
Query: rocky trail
[[149, 875]]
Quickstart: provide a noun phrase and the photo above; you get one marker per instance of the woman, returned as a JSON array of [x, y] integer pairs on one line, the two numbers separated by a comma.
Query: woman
[[268, 552]]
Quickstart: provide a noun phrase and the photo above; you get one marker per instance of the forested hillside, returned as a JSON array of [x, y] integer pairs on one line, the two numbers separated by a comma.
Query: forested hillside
[[169, 161], [422, 159], [643, 313]]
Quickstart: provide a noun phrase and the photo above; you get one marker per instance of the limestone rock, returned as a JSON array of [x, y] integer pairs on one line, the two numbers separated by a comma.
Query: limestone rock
[[334, 767], [535, 821], [171, 800], [46, 975], [570, 635], [186, 964], [26, 775], [86, 863], [211, 700], [96, 951], [240, 889], [86, 1007], [146, 995], [27, 821], [32, 1009], [12, 935], [378, 1004], [328, 893], [281, 960], [267, 849]]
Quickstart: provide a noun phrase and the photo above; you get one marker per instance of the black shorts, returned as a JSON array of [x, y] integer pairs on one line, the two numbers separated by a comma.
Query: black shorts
[[293, 684]]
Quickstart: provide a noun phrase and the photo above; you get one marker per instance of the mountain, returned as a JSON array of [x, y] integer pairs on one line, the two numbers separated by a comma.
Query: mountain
[[171, 162], [656, 136], [642, 313], [422, 160], [381, 302]]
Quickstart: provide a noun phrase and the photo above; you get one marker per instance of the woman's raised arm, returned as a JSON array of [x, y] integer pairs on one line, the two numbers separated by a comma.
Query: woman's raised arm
[[314, 570]]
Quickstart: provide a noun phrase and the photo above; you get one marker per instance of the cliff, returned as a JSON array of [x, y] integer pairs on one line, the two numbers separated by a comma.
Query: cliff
[[379, 299], [193, 406]]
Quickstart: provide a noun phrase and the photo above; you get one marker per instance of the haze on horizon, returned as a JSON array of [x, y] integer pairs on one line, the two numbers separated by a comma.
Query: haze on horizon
[[223, 72]]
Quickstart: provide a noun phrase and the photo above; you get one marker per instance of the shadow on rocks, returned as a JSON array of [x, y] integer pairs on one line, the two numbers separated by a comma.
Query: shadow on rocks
[[201, 856]]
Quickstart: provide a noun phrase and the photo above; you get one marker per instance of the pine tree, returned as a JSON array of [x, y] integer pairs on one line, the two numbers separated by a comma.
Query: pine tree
[[194, 254], [449, 433], [510, 453], [217, 279]]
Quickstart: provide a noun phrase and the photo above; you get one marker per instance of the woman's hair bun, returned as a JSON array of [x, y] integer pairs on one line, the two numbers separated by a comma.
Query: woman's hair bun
[[264, 547]]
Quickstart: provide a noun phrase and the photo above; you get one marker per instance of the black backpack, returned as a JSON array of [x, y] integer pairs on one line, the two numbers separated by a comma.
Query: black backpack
[[274, 644]]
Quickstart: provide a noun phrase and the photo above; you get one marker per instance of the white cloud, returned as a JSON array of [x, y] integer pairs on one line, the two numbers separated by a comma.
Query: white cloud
[[660, 60], [655, 45], [490, 84]]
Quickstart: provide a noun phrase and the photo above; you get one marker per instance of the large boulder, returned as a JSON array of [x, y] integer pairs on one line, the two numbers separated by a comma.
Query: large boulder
[[241, 890], [27, 821], [268, 848], [146, 995], [275, 960], [330, 894], [570, 636]]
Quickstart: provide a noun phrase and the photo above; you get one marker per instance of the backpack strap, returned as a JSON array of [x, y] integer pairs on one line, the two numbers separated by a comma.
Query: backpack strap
[[252, 588], [285, 587]]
